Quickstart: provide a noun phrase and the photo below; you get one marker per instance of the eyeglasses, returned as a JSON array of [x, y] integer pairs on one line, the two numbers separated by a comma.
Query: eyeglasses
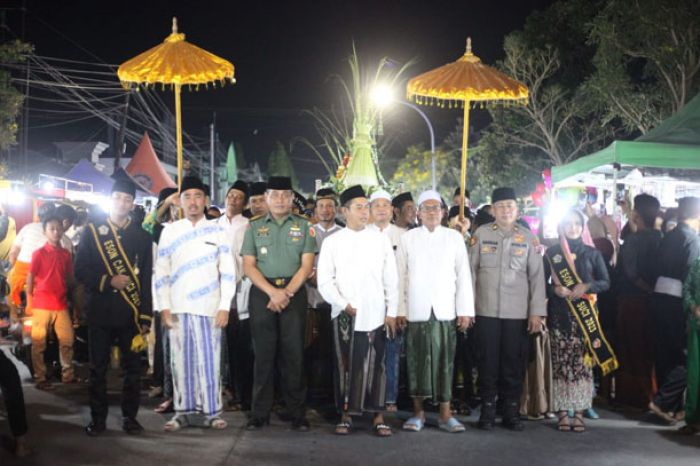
[[430, 208]]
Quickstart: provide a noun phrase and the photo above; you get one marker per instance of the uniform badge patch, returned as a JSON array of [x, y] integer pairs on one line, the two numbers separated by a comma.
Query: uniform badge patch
[[103, 230], [312, 231], [557, 259], [519, 238], [263, 231]]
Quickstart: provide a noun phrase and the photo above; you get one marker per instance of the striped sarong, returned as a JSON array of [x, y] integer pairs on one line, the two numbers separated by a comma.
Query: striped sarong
[[430, 356], [195, 351]]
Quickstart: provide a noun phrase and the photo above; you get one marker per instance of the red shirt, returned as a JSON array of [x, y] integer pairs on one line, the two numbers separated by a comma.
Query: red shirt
[[50, 268]]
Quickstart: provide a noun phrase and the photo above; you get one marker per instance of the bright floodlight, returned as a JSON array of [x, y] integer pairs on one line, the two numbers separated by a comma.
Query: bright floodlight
[[382, 95]]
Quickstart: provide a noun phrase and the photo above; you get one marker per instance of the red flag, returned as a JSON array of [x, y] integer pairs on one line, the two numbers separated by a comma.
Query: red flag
[[147, 169]]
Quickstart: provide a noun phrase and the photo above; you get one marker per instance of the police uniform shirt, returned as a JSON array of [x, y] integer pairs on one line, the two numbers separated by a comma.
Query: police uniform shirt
[[278, 246], [508, 273]]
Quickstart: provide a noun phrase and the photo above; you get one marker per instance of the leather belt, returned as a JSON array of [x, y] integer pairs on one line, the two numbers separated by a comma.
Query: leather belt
[[278, 282]]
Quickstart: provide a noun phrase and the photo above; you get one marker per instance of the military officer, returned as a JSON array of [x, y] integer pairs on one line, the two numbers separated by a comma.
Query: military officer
[[278, 256], [508, 276]]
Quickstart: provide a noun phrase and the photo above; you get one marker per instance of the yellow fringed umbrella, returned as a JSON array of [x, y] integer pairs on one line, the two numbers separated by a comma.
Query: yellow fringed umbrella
[[178, 63], [464, 82]]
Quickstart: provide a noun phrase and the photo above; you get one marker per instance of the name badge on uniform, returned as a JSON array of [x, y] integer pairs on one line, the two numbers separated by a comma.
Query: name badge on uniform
[[489, 249], [295, 233]]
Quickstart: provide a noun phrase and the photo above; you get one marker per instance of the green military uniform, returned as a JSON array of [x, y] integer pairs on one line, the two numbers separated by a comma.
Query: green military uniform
[[278, 247]]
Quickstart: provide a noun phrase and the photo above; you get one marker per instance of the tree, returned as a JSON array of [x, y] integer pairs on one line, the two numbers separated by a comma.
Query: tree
[[647, 59], [279, 164], [414, 171], [10, 98]]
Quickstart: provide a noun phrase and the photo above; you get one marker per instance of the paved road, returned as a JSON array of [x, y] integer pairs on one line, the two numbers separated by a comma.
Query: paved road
[[57, 419]]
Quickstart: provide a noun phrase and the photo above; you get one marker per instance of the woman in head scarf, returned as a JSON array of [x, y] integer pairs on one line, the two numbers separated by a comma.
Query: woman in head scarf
[[574, 273]]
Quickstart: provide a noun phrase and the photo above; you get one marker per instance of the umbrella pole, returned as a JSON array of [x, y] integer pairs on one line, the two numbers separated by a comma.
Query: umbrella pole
[[463, 174], [178, 130]]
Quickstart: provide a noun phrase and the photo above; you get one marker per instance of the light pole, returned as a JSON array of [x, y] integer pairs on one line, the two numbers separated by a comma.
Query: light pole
[[383, 96]]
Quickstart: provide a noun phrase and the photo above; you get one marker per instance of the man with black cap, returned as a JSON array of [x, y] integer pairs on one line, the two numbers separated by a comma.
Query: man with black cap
[[195, 283], [679, 250], [404, 211], [508, 276], [357, 276], [320, 361], [257, 205], [278, 256], [234, 223], [114, 263]]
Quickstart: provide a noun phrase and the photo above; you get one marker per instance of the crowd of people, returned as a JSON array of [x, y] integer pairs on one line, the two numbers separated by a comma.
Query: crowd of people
[[394, 295]]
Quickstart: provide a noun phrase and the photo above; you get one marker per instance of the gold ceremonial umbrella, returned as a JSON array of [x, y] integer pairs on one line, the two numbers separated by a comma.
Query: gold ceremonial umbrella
[[463, 82], [177, 63]]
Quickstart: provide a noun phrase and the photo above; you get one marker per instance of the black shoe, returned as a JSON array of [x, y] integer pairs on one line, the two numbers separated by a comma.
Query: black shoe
[[131, 426], [511, 417], [256, 423], [95, 429], [487, 419], [301, 424]]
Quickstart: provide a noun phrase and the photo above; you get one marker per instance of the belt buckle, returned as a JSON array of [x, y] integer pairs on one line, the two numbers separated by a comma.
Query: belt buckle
[[279, 282]]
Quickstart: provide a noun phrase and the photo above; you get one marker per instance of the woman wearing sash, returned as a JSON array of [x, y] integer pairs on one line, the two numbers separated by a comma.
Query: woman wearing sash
[[574, 272]]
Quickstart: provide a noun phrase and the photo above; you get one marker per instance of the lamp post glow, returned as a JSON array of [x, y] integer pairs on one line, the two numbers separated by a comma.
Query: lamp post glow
[[382, 96]]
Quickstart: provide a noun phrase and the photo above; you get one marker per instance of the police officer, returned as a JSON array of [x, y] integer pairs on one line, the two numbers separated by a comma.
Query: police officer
[[114, 263], [508, 276], [278, 256]]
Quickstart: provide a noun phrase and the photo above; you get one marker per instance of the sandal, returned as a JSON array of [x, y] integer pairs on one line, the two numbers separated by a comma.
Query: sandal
[[165, 407], [343, 428], [175, 424], [46, 386], [563, 425], [452, 426], [216, 423], [689, 429], [382, 430], [414, 424], [579, 426]]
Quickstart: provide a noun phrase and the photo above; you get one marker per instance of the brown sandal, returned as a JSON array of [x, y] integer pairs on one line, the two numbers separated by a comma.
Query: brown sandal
[[563, 425], [579, 426]]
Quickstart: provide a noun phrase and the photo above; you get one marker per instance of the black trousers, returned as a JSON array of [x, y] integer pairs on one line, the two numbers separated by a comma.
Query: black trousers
[[158, 356], [503, 346], [241, 358], [101, 340], [14, 397], [670, 342], [319, 354], [278, 337]]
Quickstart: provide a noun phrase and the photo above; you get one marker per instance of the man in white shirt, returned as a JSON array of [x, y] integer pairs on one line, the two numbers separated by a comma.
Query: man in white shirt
[[435, 299], [233, 221], [357, 276], [320, 359], [381, 212], [195, 283]]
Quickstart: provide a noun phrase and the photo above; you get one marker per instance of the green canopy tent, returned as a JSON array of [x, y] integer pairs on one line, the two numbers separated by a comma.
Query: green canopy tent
[[673, 145]]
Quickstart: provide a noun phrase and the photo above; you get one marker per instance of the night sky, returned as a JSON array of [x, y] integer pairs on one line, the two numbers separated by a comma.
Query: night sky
[[284, 53]]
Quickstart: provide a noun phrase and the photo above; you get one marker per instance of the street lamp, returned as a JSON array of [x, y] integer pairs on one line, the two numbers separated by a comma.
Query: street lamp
[[382, 96]]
